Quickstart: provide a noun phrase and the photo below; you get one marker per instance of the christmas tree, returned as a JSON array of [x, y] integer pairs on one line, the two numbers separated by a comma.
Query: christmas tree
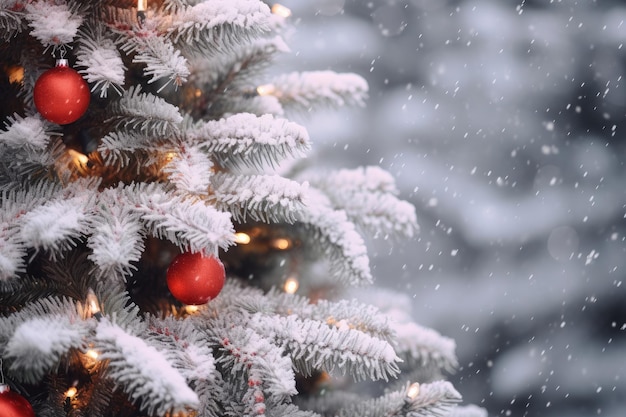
[[167, 250]]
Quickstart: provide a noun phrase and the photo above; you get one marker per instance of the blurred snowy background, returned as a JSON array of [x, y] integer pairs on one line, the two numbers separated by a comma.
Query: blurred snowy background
[[504, 123]]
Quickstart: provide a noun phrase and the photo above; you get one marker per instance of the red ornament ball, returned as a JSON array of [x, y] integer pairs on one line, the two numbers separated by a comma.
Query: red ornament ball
[[195, 279], [61, 95], [13, 404]]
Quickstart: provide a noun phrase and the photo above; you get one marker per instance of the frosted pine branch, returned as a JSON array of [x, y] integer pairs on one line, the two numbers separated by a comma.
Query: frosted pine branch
[[38, 344], [337, 237], [434, 400], [101, 62], [192, 225], [152, 114], [120, 149], [247, 140], [57, 225], [421, 346], [255, 367], [267, 198], [162, 61], [368, 197], [10, 19], [350, 313], [30, 131], [319, 346], [218, 25], [302, 91], [117, 237], [144, 373], [35, 338], [190, 170], [53, 24]]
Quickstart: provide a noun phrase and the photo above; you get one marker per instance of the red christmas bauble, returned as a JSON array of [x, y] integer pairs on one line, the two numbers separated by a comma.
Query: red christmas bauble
[[13, 404], [195, 279], [61, 95]]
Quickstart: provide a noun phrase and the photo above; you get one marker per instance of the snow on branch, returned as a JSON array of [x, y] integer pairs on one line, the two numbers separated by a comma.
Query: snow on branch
[[144, 372], [192, 225], [336, 236], [219, 25], [152, 114], [302, 91], [256, 367], [350, 313], [367, 195], [30, 131], [247, 140], [101, 62], [52, 23], [436, 399], [11, 19], [57, 225], [38, 336], [313, 345], [14, 203], [267, 198], [162, 61], [190, 170], [117, 236], [421, 346]]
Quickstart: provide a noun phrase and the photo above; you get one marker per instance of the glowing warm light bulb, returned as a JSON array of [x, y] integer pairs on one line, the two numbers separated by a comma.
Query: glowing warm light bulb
[[242, 238], [281, 243], [190, 309], [142, 5], [79, 158], [414, 390], [280, 10], [291, 285], [16, 74], [71, 392], [266, 89], [92, 354], [93, 304]]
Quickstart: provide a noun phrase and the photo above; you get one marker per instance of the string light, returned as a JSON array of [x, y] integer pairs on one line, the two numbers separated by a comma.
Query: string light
[[93, 305], [242, 238], [71, 392], [142, 5], [16, 74], [414, 390], [280, 10], [291, 285], [266, 89], [92, 354], [190, 309], [281, 243], [80, 159]]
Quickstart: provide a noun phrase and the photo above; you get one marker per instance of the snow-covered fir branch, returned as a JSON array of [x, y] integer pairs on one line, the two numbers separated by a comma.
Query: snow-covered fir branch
[[117, 236], [192, 225], [145, 111], [368, 196], [100, 61], [335, 235], [35, 339], [247, 140], [468, 411], [144, 373], [421, 346], [350, 313], [266, 198], [303, 91], [434, 399], [53, 23], [190, 170], [313, 345], [10, 18], [218, 25], [30, 131], [162, 61]]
